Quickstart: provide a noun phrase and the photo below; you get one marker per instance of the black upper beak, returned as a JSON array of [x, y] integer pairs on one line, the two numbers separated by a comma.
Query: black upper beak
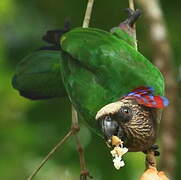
[[109, 127]]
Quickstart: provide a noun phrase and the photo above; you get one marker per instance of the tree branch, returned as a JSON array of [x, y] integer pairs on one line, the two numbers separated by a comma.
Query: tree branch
[[131, 6], [88, 13]]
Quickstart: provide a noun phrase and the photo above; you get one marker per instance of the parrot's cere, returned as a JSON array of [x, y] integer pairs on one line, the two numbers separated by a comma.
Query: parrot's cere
[[118, 152]]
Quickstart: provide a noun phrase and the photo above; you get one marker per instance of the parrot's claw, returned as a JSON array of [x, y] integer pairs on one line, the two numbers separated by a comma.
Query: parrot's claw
[[154, 148], [157, 153], [84, 174], [128, 24], [53, 37], [132, 16]]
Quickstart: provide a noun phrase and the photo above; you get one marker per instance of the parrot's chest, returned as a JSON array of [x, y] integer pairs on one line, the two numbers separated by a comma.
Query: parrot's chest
[[140, 138]]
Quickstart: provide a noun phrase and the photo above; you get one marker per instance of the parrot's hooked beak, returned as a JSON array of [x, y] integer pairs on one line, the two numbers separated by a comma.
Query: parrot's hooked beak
[[109, 126]]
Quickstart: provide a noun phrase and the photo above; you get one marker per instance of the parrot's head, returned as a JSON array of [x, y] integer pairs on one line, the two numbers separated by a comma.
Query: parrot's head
[[133, 118]]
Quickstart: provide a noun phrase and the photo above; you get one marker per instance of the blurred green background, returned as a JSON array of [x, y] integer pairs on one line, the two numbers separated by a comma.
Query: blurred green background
[[29, 129]]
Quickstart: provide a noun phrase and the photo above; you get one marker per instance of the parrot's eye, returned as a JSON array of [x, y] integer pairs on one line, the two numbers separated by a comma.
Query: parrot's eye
[[125, 114]]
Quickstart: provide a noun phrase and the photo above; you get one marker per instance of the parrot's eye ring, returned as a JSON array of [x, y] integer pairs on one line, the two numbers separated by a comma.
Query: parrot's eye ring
[[124, 114], [126, 111]]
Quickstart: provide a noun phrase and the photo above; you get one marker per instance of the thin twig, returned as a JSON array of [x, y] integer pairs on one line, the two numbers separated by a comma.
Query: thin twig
[[75, 126], [74, 117], [88, 14], [131, 6], [50, 154], [81, 153], [79, 146]]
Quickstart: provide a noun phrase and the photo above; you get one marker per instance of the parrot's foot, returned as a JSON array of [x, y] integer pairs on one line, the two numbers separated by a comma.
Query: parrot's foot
[[132, 16], [151, 171], [128, 24], [153, 148], [53, 37], [84, 174]]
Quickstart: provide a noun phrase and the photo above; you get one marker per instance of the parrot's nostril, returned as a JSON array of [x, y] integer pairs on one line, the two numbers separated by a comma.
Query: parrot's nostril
[[108, 119]]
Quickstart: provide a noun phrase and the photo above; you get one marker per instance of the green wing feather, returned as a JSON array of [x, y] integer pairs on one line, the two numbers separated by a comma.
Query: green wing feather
[[38, 75]]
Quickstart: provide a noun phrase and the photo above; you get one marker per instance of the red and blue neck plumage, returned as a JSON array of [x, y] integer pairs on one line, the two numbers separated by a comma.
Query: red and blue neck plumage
[[145, 96]]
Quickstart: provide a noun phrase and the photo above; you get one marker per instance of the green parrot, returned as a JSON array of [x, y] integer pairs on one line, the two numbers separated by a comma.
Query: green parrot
[[98, 70]]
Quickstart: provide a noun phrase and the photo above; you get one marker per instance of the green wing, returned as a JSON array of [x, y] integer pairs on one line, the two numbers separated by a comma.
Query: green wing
[[99, 68], [38, 75]]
